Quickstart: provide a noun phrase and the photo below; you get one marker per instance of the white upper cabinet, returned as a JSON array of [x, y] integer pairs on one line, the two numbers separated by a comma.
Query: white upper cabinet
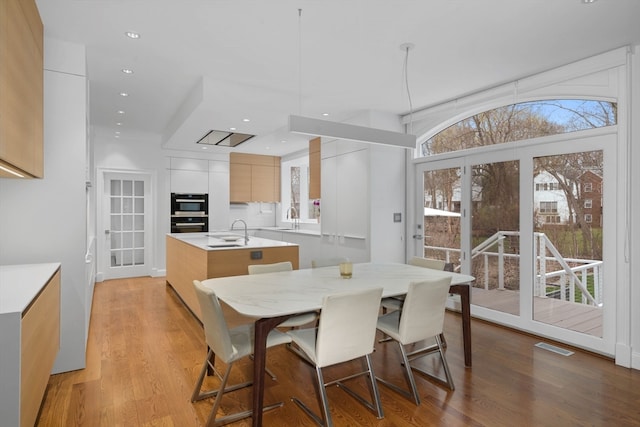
[[189, 175]]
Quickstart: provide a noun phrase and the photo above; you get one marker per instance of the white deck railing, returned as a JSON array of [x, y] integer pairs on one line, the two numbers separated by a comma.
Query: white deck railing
[[560, 283]]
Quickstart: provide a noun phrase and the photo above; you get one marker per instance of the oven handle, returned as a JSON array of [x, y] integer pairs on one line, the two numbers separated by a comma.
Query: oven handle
[[188, 224], [190, 200]]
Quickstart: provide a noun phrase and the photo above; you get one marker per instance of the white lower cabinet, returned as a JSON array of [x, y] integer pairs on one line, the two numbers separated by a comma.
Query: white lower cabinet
[[309, 246], [29, 338]]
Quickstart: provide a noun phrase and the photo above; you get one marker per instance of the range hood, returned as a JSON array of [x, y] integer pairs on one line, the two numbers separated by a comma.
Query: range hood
[[223, 138]]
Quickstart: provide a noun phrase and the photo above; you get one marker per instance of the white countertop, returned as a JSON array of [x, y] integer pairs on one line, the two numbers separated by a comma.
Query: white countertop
[[293, 230], [19, 284], [299, 291], [227, 240]]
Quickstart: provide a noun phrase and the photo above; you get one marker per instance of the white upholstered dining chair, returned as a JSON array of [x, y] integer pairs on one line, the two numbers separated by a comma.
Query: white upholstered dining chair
[[395, 303], [421, 318], [327, 262], [346, 332], [228, 345]]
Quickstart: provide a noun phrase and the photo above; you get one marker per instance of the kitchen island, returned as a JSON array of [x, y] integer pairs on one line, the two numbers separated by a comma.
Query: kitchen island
[[200, 256]]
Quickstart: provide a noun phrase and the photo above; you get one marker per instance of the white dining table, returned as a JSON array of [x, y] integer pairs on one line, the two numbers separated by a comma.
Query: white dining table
[[271, 298]]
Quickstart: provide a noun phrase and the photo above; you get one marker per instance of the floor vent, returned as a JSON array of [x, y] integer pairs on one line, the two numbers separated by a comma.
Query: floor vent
[[554, 349]]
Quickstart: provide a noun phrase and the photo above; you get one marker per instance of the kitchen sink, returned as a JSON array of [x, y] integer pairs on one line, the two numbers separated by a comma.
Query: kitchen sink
[[225, 236], [225, 245]]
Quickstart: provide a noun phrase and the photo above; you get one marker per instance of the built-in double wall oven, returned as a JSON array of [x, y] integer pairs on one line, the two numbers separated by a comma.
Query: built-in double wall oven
[[189, 213]]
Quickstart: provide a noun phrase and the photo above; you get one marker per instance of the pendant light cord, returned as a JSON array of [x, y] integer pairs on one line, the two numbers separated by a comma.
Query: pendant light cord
[[406, 81], [300, 61]]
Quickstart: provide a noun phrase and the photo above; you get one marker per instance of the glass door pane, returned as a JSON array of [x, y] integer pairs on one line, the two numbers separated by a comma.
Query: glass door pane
[[441, 204], [495, 229], [126, 221], [568, 219]]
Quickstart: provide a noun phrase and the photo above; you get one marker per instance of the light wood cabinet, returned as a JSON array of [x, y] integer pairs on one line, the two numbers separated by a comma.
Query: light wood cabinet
[[254, 178], [315, 176], [21, 86], [30, 331]]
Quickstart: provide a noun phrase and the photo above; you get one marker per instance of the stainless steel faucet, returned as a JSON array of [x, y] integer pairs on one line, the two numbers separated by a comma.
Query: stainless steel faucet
[[246, 233], [296, 220]]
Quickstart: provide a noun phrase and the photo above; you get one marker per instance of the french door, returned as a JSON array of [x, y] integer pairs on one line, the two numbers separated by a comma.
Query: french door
[[532, 222], [124, 236]]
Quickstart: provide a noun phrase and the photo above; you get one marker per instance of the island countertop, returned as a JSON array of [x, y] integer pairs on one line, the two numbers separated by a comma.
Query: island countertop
[[226, 240]]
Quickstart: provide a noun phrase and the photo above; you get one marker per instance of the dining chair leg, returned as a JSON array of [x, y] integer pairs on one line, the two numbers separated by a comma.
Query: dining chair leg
[[445, 365], [448, 382], [205, 368], [326, 415], [198, 394], [216, 404], [412, 391], [443, 339], [321, 395], [373, 386], [411, 381]]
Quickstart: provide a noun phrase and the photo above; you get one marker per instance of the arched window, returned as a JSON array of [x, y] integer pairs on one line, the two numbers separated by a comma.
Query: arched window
[[522, 121]]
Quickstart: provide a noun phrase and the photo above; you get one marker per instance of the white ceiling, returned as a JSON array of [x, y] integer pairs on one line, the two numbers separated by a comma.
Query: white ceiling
[[208, 64]]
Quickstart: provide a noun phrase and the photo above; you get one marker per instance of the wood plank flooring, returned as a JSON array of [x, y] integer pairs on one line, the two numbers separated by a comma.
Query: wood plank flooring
[[145, 350]]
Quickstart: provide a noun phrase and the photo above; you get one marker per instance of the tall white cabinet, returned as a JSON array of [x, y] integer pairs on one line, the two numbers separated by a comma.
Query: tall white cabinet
[[356, 223], [53, 210]]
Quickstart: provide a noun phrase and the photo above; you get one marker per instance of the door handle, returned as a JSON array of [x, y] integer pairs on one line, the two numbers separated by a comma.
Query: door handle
[[417, 236]]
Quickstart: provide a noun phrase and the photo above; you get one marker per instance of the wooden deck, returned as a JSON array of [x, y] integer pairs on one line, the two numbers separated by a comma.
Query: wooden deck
[[576, 317]]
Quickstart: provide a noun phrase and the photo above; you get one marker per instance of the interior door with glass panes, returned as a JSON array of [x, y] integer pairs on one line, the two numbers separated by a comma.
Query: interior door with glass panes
[[126, 216]]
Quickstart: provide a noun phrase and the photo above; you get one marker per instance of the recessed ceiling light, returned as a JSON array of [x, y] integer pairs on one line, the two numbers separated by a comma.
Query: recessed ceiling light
[[127, 71], [205, 148], [283, 141], [588, 1], [325, 114], [117, 132], [232, 128], [120, 112], [124, 94], [132, 35], [119, 124], [246, 120]]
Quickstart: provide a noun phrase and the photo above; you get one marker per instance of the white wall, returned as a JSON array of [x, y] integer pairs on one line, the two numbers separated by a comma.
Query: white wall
[[387, 180], [43, 220], [634, 212]]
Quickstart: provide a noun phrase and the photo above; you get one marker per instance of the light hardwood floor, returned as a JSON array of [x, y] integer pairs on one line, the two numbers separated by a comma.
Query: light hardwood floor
[[145, 350]]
